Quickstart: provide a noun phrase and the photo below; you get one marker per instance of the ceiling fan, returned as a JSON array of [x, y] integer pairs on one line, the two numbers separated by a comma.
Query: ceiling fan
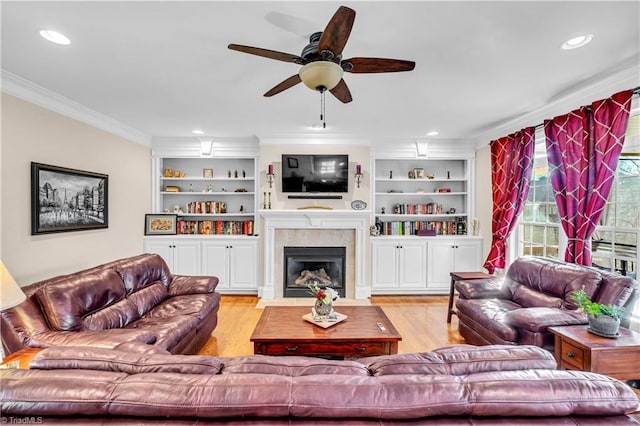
[[322, 61]]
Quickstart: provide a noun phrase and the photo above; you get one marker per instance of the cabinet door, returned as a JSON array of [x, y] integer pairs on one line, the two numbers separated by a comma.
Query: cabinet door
[[164, 248], [468, 256], [441, 255], [412, 262], [215, 260], [243, 265], [384, 269], [186, 258]]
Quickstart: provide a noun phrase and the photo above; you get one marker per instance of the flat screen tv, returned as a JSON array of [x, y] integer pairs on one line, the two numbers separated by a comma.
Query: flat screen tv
[[315, 173]]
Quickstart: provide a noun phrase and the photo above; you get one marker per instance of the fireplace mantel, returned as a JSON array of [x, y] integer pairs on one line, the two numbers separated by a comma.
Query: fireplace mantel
[[272, 220]]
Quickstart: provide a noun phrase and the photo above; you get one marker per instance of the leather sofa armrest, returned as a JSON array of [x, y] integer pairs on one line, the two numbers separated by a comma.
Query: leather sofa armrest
[[109, 338], [187, 284], [490, 288], [539, 319]]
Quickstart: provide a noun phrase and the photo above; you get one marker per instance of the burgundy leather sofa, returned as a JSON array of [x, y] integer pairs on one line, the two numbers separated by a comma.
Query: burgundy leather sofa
[[135, 299], [460, 384], [535, 294]]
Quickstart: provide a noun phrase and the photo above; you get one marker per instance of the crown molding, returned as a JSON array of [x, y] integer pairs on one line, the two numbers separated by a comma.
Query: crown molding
[[31, 92], [625, 75]]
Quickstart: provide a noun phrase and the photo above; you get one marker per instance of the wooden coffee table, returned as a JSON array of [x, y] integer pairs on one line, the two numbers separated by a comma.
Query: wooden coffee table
[[282, 331]]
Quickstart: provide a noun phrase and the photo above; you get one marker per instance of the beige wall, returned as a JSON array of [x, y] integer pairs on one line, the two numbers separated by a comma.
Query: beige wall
[[31, 133], [484, 197]]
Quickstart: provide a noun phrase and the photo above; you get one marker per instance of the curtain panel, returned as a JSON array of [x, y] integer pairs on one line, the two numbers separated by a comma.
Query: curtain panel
[[511, 166], [583, 148]]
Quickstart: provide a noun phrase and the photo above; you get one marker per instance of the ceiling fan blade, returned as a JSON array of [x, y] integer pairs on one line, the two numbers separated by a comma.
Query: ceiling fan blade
[[335, 35], [280, 87], [266, 53], [341, 91], [373, 65]]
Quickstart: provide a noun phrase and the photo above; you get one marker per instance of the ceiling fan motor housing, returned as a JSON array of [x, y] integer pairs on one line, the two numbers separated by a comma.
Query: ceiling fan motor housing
[[310, 52]]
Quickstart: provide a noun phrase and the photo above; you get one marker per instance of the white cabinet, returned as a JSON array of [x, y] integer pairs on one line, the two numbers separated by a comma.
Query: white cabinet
[[398, 265], [448, 255], [181, 255], [233, 261]]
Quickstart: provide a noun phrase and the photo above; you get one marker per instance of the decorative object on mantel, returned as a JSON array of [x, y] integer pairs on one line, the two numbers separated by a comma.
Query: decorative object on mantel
[[270, 175], [604, 320], [358, 174], [358, 205], [269, 201]]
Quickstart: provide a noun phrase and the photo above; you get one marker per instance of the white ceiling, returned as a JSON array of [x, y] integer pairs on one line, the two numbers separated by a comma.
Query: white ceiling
[[483, 69]]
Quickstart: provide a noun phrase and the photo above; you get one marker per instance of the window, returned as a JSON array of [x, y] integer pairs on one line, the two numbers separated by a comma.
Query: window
[[539, 227]]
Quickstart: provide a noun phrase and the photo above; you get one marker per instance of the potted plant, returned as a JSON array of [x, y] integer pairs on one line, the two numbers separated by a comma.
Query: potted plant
[[604, 320]]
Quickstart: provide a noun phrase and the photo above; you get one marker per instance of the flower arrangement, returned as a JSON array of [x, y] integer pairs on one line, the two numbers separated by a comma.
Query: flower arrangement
[[326, 295]]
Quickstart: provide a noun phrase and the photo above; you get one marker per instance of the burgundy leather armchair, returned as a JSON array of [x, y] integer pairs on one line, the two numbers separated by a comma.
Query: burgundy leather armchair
[[535, 294]]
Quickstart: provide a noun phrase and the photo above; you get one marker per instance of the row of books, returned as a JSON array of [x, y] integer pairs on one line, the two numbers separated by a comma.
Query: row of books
[[215, 227], [412, 227], [206, 207], [428, 208]]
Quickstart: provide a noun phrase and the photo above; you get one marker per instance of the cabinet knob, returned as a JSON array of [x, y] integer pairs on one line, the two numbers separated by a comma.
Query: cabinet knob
[[570, 354], [291, 348], [360, 348]]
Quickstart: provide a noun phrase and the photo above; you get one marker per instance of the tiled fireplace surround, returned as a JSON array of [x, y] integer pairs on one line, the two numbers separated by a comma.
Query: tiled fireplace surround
[[314, 228]]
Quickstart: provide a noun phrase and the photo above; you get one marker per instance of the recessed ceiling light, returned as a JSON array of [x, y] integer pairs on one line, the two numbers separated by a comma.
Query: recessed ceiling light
[[433, 133], [55, 37], [197, 132], [576, 42]]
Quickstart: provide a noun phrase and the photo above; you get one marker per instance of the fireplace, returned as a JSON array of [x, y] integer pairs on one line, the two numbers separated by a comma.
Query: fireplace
[[324, 266]]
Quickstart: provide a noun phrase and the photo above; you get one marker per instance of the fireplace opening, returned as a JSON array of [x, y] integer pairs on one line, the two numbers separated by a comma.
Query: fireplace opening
[[324, 266]]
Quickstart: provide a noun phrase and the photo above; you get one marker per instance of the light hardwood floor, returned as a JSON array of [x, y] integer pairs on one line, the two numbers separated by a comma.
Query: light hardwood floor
[[420, 320]]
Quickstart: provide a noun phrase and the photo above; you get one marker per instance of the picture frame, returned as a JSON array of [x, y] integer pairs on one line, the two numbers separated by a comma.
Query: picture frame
[[207, 173], [418, 173], [66, 200], [160, 224]]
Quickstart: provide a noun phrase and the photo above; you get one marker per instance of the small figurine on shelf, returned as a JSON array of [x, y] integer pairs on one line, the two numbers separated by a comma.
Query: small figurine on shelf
[[390, 174], [244, 173], [228, 173], [241, 208], [190, 187], [382, 210], [235, 174]]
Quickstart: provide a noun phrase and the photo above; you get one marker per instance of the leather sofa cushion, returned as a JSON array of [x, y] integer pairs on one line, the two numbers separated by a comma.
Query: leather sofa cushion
[[139, 272], [616, 289], [551, 277], [183, 284], [114, 360], [65, 303], [539, 319], [527, 297], [198, 305], [463, 359], [168, 330], [490, 288], [149, 297], [488, 315], [291, 366]]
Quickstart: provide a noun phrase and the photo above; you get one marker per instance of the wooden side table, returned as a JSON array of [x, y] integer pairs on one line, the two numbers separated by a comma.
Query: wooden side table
[[460, 276], [20, 359], [577, 349]]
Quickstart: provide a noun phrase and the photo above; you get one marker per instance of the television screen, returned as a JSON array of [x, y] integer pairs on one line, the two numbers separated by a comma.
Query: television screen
[[315, 173]]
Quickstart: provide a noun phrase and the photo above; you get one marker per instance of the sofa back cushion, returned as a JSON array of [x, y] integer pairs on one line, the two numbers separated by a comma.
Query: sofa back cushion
[[65, 303], [142, 271], [542, 282]]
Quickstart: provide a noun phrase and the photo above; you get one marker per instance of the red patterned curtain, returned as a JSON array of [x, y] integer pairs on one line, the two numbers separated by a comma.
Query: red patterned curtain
[[583, 149], [511, 165]]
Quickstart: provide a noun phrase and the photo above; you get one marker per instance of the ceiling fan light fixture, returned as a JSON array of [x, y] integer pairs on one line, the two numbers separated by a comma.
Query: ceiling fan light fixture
[[55, 37], [321, 74]]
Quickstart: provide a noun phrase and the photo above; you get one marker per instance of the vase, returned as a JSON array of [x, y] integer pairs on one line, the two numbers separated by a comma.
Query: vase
[[323, 308], [604, 325]]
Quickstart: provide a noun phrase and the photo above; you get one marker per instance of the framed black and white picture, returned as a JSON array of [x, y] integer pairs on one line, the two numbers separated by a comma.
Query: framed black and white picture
[[64, 200]]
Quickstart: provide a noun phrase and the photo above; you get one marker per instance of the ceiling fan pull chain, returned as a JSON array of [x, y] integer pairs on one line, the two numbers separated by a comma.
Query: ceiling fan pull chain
[[322, 109]]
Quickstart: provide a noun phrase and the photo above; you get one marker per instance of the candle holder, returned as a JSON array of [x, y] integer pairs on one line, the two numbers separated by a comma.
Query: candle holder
[[358, 175], [270, 175]]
